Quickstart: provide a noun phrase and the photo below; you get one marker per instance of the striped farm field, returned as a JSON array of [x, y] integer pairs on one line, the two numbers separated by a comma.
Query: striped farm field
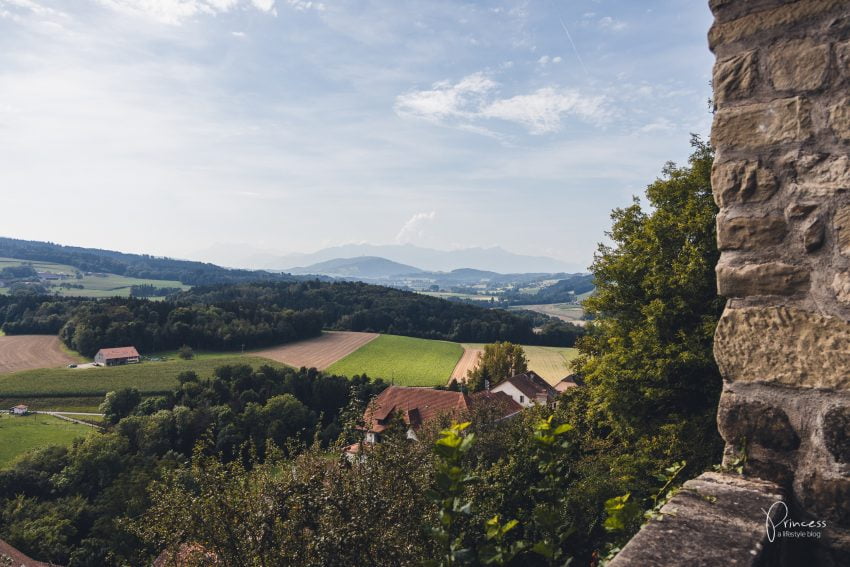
[[551, 363], [403, 360], [320, 352], [26, 352]]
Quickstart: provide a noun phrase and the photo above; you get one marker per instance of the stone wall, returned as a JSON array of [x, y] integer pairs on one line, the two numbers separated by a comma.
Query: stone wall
[[782, 180]]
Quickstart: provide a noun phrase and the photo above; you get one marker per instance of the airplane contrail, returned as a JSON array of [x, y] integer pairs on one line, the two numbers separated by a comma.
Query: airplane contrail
[[570, 37]]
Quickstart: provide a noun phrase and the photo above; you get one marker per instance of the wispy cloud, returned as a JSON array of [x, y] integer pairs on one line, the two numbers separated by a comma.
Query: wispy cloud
[[609, 23], [175, 12], [475, 98], [414, 228]]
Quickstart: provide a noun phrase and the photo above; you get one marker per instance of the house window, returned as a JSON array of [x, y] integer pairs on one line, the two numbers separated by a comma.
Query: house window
[[522, 399]]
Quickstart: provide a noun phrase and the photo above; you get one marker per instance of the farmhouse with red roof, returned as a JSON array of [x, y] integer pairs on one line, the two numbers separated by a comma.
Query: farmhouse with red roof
[[527, 389], [416, 406], [115, 356]]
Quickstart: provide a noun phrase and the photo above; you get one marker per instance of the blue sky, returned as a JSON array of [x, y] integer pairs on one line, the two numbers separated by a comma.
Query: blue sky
[[179, 126]]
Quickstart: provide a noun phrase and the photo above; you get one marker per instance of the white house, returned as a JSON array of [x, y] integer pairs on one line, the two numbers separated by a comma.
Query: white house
[[527, 389], [20, 410]]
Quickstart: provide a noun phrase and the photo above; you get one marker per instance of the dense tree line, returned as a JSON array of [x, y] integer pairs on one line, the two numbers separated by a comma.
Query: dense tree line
[[148, 290], [355, 306], [161, 325], [68, 505], [225, 317], [29, 314]]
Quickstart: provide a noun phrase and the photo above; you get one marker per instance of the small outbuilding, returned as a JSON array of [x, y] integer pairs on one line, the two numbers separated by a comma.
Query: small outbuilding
[[20, 410], [116, 356]]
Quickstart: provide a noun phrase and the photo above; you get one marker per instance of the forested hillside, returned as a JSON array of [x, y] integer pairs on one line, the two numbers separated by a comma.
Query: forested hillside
[[228, 317], [131, 265]]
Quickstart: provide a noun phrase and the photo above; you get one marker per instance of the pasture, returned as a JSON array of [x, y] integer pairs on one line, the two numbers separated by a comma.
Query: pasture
[[551, 363], [106, 285], [27, 352], [19, 434], [320, 352], [569, 312], [148, 377], [403, 360]]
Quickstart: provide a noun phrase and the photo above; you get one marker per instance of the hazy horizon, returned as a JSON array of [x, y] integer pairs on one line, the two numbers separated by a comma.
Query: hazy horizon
[[291, 126]]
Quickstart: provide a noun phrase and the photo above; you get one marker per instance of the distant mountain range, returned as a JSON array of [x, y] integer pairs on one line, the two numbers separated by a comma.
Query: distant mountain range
[[368, 267], [373, 269], [493, 259]]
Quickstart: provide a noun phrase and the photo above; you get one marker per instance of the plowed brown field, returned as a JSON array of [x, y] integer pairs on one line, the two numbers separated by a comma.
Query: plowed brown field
[[27, 352], [467, 362], [320, 352]]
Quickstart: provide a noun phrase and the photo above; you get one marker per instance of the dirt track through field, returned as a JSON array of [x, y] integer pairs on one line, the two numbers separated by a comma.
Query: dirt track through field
[[467, 362], [320, 352], [27, 352]]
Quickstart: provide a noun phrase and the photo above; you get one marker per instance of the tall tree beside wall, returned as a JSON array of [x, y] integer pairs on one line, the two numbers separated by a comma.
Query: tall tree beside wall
[[653, 385]]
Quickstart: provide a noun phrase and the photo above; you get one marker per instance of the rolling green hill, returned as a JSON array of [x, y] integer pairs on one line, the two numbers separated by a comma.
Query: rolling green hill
[[100, 285]]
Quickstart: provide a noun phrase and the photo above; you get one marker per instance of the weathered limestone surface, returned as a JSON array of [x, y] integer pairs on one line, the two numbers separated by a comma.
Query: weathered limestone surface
[[770, 278], [764, 124], [741, 182], [783, 345], [799, 65], [716, 519], [751, 232], [735, 77]]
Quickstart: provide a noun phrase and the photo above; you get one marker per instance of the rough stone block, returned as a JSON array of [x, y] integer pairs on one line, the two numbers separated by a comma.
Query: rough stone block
[[741, 182], [826, 497], [836, 433], [799, 210], [842, 57], [758, 125], [799, 65], [715, 519], [841, 287], [735, 77], [754, 421], [841, 222], [839, 118], [783, 345], [769, 20], [820, 175], [750, 232], [813, 234], [770, 278]]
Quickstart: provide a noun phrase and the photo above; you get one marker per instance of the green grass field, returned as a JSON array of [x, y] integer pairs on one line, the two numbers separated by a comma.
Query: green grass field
[[403, 360], [552, 363], [110, 285], [148, 377], [19, 434]]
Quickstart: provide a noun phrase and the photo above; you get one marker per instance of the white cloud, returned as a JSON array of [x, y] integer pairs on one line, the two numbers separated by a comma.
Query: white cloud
[[474, 98], [300, 5], [414, 228], [175, 12], [542, 110], [610, 23], [446, 100]]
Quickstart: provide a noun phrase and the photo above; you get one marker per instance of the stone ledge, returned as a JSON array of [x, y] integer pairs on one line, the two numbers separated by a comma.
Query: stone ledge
[[715, 520]]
